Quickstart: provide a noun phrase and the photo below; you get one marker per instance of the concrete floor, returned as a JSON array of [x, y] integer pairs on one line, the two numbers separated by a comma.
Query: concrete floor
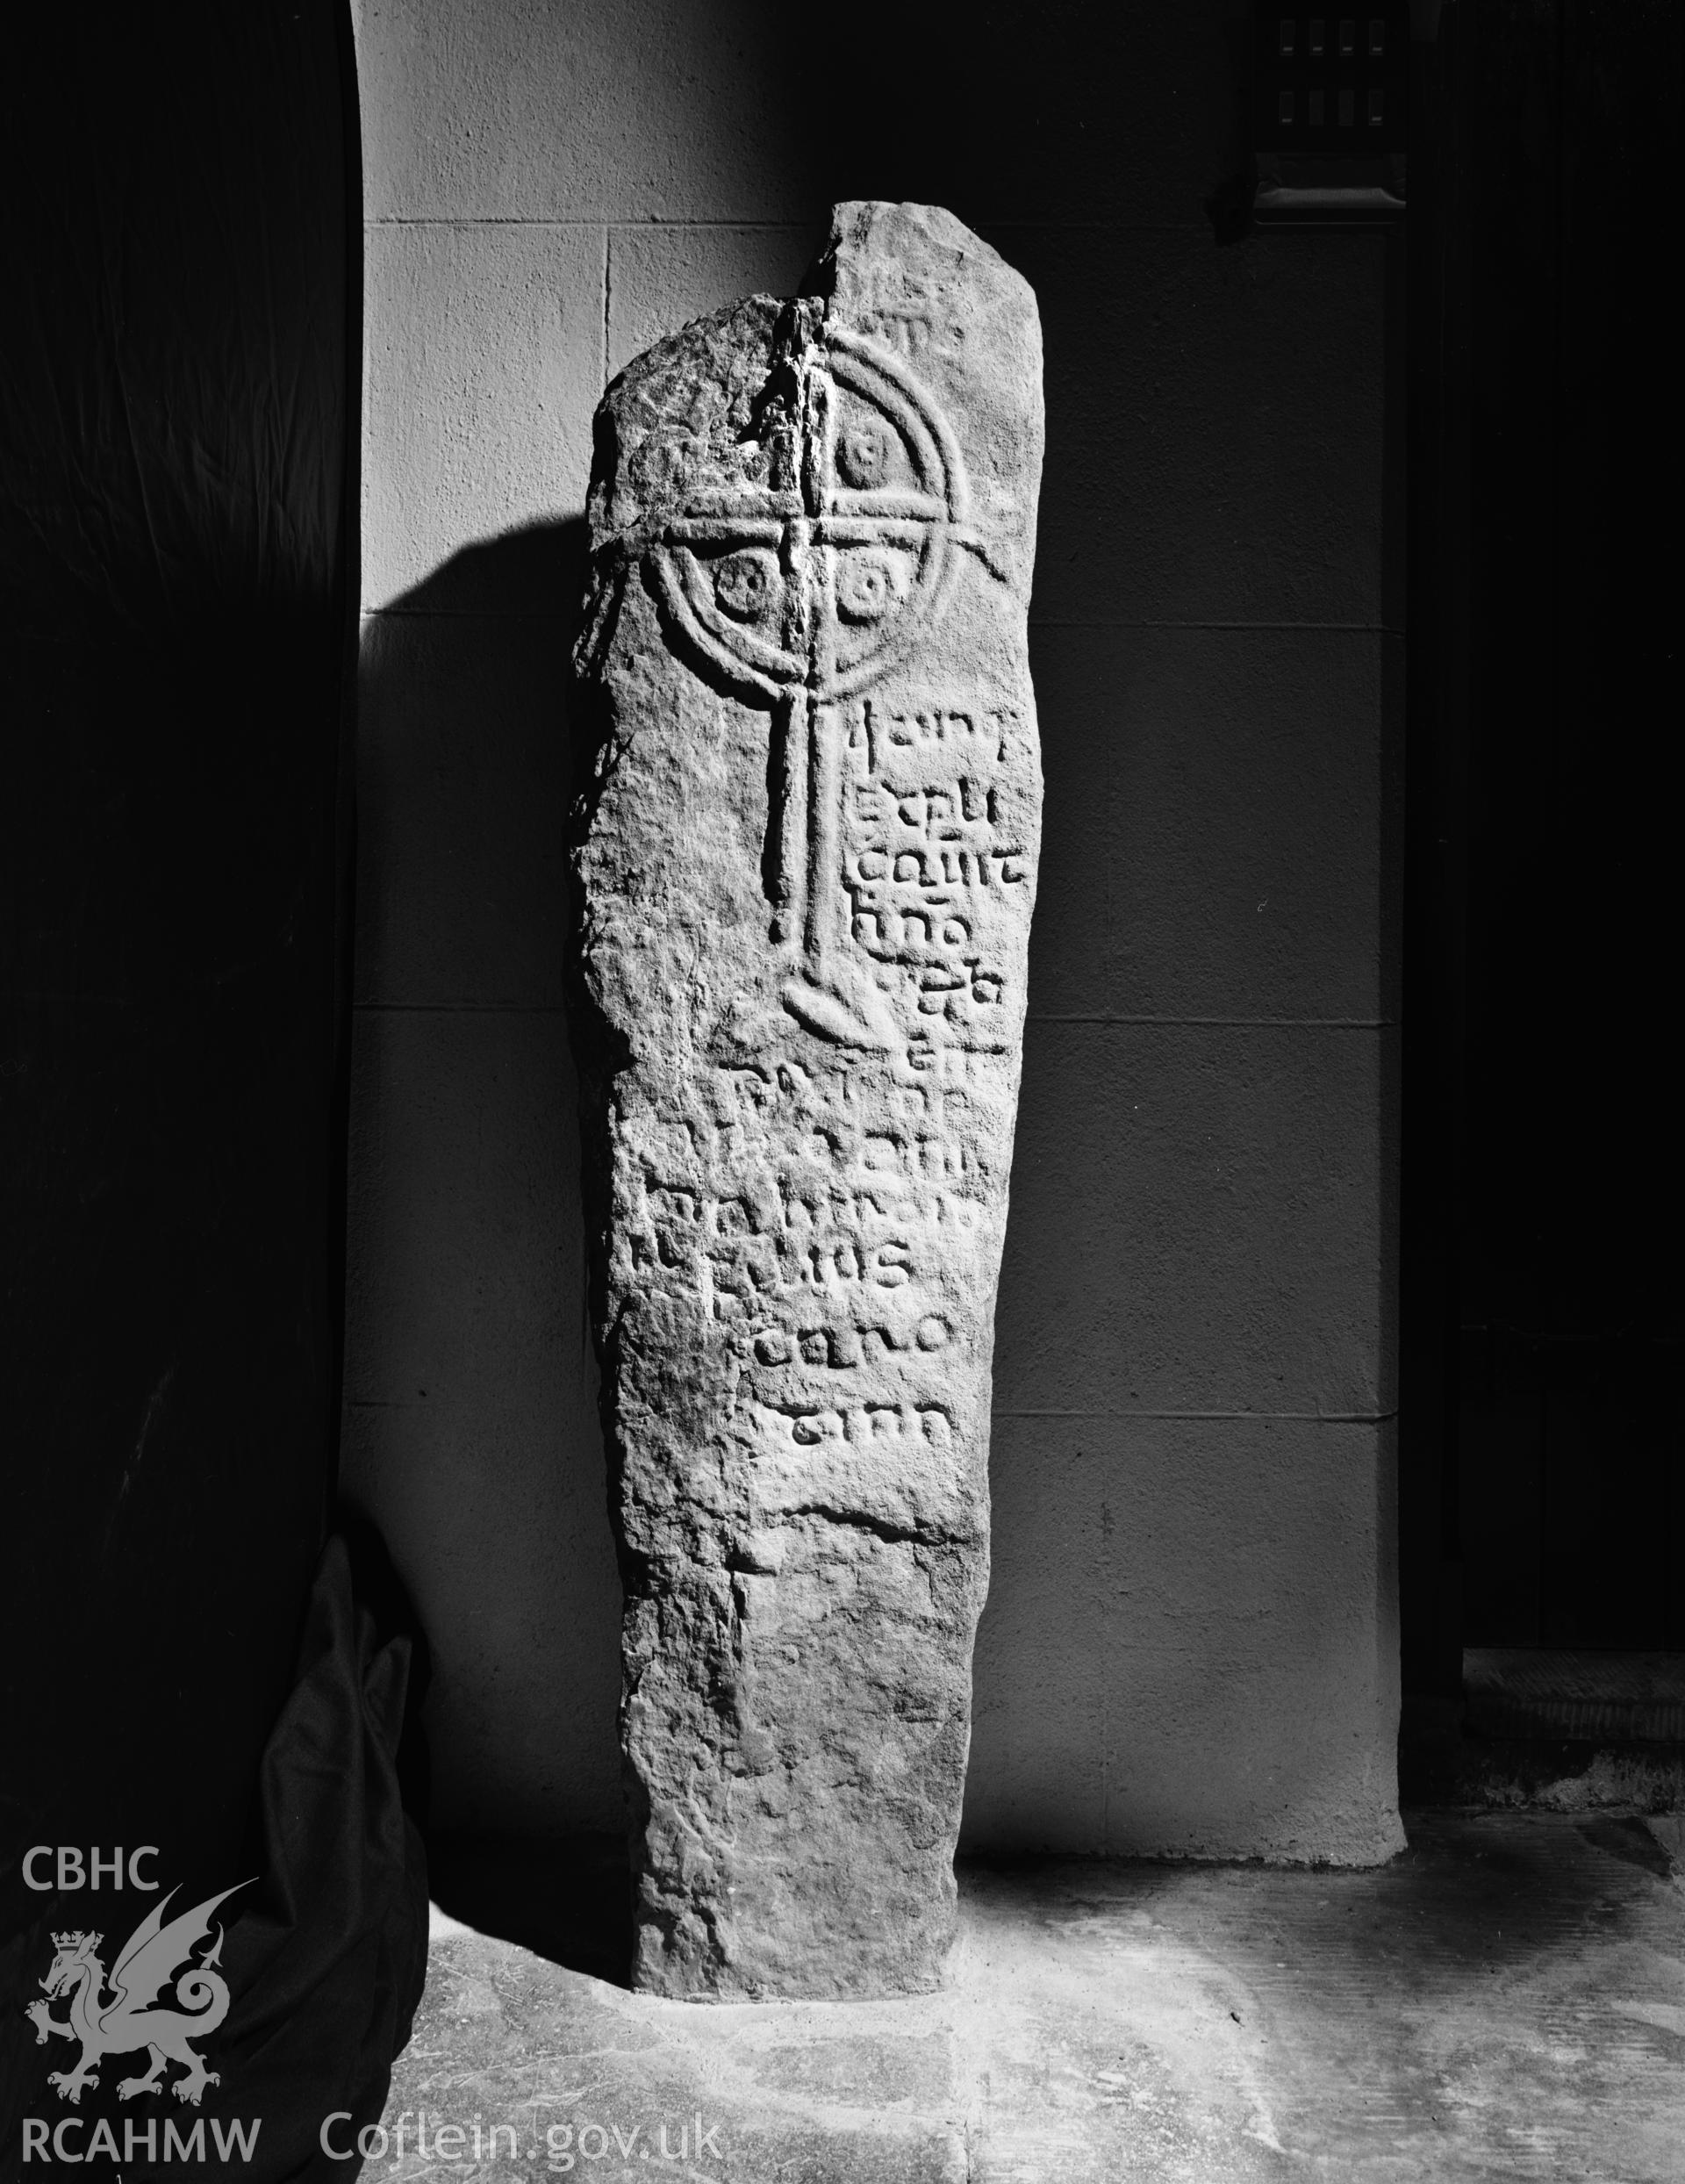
[[1505, 2001]]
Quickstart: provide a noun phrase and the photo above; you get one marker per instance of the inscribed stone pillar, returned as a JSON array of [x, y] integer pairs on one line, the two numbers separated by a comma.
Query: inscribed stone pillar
[[807, 860]]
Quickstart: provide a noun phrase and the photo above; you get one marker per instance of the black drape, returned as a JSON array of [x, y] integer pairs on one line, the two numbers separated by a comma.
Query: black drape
[[180, 281], [1542, 1491]]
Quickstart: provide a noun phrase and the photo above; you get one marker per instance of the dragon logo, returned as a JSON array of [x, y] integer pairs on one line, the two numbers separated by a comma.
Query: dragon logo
[[128, 2018]]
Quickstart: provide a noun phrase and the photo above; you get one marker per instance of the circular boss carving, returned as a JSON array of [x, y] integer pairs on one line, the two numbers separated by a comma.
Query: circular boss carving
[[823, 588], [748, 586]]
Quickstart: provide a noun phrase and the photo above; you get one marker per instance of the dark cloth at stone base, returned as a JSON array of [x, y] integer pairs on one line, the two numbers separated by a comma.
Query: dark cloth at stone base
[[327, 1962], [324, 1954]]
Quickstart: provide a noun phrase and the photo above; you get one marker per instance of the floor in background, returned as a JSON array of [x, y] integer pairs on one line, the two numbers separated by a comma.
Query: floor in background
[[1506, 2000], [1552, 1731], [1637, 1698]]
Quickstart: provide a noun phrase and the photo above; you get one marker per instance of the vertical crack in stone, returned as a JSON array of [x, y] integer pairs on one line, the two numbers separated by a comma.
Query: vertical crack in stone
[[806, 854]]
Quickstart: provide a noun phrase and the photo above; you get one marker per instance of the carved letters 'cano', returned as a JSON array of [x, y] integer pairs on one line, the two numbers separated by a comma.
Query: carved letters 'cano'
[[807, 863]]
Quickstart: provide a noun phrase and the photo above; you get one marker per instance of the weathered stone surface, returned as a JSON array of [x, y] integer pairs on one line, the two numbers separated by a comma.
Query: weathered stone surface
[[807, 860]]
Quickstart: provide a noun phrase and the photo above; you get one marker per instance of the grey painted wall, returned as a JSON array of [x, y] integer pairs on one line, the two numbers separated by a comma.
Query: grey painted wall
[[1191, 1643]]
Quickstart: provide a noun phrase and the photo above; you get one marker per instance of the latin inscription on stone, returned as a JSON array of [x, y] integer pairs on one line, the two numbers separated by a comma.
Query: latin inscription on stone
[[806, 858]]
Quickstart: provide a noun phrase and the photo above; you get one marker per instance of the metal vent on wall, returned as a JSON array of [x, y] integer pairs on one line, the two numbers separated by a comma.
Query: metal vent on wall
[[1331, 100]]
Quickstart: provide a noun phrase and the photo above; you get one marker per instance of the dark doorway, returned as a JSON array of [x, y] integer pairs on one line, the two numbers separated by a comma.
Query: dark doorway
[[1542, 1500]]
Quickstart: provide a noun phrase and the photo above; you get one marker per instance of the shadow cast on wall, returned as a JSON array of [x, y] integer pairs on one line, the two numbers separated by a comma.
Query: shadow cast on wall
[[567, 1898], [470, 1433], [534, 572]]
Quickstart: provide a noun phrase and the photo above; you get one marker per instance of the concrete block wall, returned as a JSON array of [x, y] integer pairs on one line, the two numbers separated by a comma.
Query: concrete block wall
[[1190, 1646]]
